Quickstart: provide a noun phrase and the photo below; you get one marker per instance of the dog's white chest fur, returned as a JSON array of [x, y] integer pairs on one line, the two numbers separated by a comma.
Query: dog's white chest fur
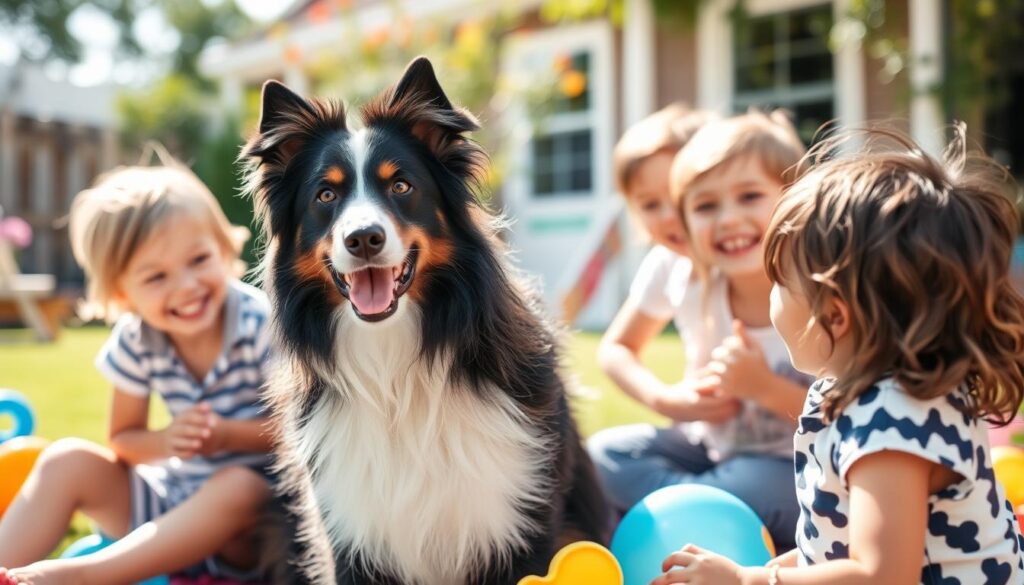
[[425, 479]]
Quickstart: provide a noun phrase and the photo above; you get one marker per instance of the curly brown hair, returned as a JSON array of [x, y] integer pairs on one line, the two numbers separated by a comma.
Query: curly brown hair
[[920, 252]]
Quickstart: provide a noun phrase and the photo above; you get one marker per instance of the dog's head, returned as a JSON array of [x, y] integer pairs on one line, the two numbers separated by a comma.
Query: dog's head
[[365, 215]]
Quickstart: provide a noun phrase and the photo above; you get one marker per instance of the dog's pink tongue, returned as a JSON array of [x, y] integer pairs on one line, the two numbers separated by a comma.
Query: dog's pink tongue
[[371, 290]]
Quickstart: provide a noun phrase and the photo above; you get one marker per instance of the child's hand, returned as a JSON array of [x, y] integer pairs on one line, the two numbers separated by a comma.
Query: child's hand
[[189, 431], [215, 443], [696, 565], [738, 366], [696, 400]]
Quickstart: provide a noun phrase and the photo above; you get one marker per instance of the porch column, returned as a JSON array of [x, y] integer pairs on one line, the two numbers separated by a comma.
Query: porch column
[[638, 96], [296, 80], [926, 117], [638, 57]]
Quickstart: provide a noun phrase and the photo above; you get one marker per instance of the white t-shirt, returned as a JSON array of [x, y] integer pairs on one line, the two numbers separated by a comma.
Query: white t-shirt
[[666, 287], [972, 534]]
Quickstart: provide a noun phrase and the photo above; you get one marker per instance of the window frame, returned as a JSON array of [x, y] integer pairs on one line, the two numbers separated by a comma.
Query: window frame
[[716, 53], [784, 93], [524, 51]]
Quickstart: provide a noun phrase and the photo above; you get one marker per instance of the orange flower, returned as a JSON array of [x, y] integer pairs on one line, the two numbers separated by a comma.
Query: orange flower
[[562, 63], [573, 83], [319, 12], [292, 54], [431, 35], [470, 37], [278, 31], [375, 39], [404, 36]]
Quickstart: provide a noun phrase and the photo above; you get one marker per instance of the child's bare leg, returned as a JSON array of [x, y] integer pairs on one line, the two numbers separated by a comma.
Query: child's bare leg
[[69, 475], [231, 502]]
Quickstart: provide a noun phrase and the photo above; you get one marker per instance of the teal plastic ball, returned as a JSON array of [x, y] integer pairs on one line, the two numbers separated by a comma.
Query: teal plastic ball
[[675, 516]]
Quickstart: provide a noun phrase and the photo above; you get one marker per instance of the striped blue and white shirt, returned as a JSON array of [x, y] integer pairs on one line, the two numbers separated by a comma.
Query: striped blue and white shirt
[[139, 360]]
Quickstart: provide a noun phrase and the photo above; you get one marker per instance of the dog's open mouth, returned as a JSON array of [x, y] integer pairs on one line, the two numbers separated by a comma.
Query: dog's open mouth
[[374, 291]]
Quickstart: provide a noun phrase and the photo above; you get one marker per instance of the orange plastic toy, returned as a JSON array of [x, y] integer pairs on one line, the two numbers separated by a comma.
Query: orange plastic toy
[[17, 457]]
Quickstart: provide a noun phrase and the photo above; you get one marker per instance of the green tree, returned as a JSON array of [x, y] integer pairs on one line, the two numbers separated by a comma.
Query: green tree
[[172, 112], [40, 27], [198, 23]]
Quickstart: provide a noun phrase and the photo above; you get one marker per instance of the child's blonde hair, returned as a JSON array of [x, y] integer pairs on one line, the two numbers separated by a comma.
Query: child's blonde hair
[[770, 139], [667, 130], [113, 218], [920, 252]]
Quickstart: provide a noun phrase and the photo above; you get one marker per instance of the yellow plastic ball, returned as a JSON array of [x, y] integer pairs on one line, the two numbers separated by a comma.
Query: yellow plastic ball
[[1008, 463], [17, 457]]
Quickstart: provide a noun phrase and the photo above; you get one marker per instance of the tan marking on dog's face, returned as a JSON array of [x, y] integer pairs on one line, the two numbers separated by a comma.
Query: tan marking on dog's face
[[334, 175], [386, 170], [433, 253], [310, 267]]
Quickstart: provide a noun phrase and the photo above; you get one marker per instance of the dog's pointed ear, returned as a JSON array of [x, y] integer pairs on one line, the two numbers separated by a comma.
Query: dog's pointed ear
[[419, 85], [420, 80], [277, 103], [284, 116]]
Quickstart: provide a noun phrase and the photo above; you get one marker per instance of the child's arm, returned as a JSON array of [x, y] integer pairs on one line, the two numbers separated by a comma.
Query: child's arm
[[620, 349], [127, 431], [888, 519], [786, 559], [134, 443], [239, 436], [619, 358]]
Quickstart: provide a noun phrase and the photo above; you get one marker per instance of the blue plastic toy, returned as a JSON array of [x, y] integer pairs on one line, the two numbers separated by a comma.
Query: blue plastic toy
[[86, 546], [672, 517], [15, 406], [95, 542]]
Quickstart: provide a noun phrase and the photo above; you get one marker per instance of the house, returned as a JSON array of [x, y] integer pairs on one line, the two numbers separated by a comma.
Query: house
[[804, 55]]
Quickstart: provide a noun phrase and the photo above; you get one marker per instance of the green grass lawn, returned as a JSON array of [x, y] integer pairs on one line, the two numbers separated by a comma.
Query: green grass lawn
[[71, 399]]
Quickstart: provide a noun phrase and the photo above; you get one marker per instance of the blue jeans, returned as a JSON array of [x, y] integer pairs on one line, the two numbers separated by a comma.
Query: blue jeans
[[636, 460]]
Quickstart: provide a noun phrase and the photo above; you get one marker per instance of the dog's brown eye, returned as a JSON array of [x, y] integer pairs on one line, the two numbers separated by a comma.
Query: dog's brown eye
[[400, 187], [326, 196]]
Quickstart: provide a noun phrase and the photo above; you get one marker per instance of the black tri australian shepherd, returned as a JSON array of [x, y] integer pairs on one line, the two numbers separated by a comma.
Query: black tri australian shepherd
[[425, 431]]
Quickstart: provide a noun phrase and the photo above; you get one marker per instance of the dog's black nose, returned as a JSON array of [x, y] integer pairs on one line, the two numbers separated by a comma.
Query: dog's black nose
[[366, 242]]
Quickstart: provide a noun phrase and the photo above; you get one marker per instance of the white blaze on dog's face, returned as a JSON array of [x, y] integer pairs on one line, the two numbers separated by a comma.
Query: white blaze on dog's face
[[375, 265]]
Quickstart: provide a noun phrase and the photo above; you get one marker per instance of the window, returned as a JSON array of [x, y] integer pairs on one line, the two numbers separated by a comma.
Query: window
[[561, 151], [783, 60]]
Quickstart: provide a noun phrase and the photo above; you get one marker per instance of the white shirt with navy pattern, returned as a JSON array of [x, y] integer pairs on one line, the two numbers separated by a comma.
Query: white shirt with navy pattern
[[139, 360], [972, 535]]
